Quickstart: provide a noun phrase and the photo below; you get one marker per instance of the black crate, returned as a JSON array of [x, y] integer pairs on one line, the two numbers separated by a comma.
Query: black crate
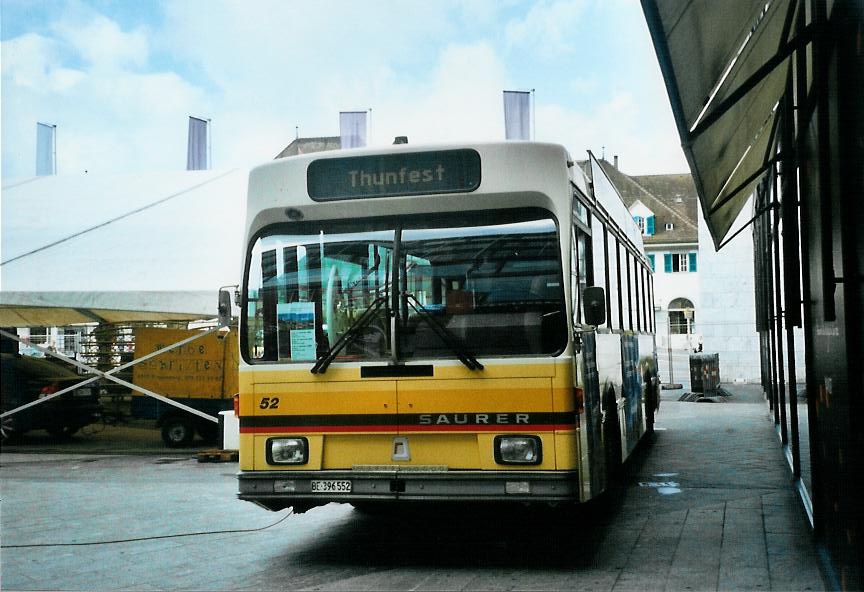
[[704, 373]]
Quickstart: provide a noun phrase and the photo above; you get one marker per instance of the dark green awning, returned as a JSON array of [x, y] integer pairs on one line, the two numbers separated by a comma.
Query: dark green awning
[[725, 65]]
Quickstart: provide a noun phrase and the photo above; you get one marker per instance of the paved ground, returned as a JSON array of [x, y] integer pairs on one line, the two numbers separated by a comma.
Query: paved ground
[[129, 436], [708, 507]]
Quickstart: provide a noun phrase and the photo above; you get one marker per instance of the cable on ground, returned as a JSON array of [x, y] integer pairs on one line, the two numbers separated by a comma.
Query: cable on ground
[[150, 538]]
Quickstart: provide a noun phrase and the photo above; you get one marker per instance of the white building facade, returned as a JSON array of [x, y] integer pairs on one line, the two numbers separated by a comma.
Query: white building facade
[[703, 299], [665, 209], [728, 302]]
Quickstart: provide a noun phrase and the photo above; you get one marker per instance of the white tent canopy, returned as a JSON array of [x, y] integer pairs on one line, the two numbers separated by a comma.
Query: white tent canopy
[[119, 248]]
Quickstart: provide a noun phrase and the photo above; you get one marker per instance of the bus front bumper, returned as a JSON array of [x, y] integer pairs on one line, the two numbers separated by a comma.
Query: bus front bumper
[[280, 489]]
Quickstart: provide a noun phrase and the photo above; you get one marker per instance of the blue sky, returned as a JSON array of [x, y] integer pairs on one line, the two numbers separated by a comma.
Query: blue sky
[[120, 78]]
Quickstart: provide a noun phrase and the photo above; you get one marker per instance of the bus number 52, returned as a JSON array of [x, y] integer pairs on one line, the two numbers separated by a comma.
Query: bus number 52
[[269, 403]]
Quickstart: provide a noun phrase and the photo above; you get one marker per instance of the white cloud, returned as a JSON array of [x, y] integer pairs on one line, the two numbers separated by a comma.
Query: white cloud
[[618, 125], [87, 79], [259, 72], [461, 101], [29, 61], [548, 28], [102, 44]]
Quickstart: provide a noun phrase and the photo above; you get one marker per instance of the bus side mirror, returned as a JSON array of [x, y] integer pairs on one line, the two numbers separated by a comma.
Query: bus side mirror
[[595, 305], [224, 308]]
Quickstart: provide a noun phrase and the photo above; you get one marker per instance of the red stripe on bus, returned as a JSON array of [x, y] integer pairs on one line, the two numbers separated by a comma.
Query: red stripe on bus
[[407, 429], [315, 429]]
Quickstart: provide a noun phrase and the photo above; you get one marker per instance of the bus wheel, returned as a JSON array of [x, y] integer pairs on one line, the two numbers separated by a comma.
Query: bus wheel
[[652, 397], [177, 431], [612, 437]]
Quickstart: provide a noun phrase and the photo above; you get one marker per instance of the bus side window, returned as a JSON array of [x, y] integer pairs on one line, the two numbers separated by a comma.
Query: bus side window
[[575, 284], [580, 265], [639, 294], [613, 282], [598, 278], [608, 274], [649, 302], [630, 302]]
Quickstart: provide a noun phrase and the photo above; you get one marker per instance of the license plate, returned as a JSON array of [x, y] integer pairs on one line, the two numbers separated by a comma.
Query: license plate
[[331, 487]]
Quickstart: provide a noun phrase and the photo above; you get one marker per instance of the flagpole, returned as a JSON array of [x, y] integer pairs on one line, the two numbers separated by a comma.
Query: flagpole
[[54, 143], [533, 115]]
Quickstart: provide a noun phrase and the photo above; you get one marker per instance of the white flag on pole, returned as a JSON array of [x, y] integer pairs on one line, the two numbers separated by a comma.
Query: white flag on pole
[[517, 112], [352, 129], [45, 148], [196, 149]]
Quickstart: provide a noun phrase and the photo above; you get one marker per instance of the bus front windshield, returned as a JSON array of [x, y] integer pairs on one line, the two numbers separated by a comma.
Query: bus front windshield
[[489, 284]]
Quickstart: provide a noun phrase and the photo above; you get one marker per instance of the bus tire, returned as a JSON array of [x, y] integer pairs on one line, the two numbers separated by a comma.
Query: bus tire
[[177, 431], [652, 398], [611, 437]]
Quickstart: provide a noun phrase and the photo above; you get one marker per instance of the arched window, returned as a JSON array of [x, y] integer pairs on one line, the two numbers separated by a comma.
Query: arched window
[[681, 316]]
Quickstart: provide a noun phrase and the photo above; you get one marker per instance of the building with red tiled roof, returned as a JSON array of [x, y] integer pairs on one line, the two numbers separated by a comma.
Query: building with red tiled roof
[[666, 209]]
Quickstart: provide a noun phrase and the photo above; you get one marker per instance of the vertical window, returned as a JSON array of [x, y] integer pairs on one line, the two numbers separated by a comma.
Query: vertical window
[[71, 341], [646, 310], [575, 286], [581, 269], [645, 224], [630, 302], [39, 335], [597, 248], [611, 282], [679, 262], [651, 262], [635, 291], [650, 304], [619, 287]]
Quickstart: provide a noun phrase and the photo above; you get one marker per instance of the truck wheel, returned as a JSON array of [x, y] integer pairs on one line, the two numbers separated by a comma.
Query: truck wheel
[[177, 431], [63, 432], [9, 430], [208, 431]]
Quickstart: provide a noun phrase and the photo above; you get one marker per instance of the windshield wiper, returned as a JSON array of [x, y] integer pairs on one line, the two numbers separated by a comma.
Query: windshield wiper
[[350, 335], [446, 335]]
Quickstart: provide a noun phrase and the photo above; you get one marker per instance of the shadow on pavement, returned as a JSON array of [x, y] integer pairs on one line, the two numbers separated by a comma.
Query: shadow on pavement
[[476, 536]]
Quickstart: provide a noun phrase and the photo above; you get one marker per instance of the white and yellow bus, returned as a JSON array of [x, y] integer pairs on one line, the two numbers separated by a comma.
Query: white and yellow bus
[[448, 323]]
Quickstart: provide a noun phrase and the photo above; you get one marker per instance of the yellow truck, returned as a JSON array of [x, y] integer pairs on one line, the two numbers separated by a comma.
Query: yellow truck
[[201, 374]]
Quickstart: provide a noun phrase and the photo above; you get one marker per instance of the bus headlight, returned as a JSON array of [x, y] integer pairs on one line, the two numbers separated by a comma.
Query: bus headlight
[[287, 451], [518, 450]]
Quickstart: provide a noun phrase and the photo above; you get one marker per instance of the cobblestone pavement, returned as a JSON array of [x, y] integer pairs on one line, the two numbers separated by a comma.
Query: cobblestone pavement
[[708, 507]]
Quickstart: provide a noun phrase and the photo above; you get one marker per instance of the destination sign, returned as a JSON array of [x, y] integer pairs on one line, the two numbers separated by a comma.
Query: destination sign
[[386, 175]]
